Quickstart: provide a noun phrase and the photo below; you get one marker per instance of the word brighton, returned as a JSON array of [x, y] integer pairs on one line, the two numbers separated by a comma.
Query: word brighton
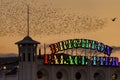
[[80, 60], [80, 43]]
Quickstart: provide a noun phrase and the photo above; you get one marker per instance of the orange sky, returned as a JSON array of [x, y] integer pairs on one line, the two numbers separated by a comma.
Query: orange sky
[[13, 13]]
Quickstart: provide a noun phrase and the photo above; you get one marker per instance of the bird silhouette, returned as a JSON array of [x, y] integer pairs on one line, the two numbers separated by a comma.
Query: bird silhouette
[[114, 19]]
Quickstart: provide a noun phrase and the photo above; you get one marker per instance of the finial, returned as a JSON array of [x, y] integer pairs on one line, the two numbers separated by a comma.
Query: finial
[[27, 20]]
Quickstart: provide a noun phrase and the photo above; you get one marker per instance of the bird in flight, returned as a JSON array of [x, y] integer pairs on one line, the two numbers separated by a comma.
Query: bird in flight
[[114, 19]]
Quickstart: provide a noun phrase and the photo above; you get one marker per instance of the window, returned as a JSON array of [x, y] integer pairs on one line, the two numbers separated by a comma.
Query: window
[[99, 76], [96, 75], [78, 76], [20, 57], [59, 75], [29, 57], [39, 74], [23, 56], [33, 56], [114, 76]]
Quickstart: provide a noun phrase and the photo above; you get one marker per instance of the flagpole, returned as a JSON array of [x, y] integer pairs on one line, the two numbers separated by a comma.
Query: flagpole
[[44, 49], [27, 20]]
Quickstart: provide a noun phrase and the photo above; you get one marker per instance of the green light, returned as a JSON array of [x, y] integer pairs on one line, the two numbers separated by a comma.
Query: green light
[[83, 60], [64, 45], [87, 43], [76, 59], [65, 62], [75, 43], [69, 44], [99, 46], [79, 43], [83, 43], [71, 60], [93, 44]]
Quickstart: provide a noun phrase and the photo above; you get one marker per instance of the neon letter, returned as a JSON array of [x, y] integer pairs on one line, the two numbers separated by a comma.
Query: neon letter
[[61, 45], [69, 44], [71, 60], [116, 61], [93, 44], [65, 44], [94, 60], [46, 59], [106, 61], [83, 60], [108, 50], [76, 59], [87, 43], [83, 42], [61, 59], [75, 43], [56, 60], [52, 47], [113, 61], [101, 61]]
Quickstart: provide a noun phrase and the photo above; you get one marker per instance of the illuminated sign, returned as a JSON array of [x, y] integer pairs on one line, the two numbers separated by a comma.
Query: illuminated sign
[[80, 43], [80, 60], [66, 59]]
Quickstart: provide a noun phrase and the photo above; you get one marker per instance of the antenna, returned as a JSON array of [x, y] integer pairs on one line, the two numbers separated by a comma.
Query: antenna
[[27, 20], [44, 49]]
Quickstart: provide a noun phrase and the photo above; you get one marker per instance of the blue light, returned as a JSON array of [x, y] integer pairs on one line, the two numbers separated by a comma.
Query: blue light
[[98, 47], [117, 61], [107, 61], [102, 48], [101, 61], [108, 51], [95, 60], [93, 44], [113, 61]]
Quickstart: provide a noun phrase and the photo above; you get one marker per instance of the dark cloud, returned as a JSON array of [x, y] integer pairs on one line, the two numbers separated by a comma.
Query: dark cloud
[[8, 55], [115, 48]]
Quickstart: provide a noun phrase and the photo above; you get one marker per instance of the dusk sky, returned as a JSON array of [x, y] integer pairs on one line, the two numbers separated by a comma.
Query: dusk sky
[[56, 20]]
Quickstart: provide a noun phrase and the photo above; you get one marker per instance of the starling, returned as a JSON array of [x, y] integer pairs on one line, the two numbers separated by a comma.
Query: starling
[[114, 19]]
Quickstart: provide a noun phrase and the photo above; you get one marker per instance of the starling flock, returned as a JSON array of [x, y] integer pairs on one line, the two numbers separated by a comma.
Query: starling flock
[[46, 20]]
